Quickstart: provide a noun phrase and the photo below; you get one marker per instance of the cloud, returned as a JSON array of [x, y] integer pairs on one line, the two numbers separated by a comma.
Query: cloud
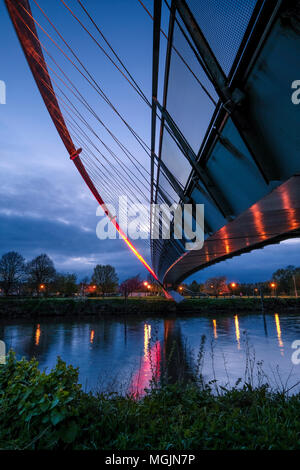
[[259, 265], [48, 208], [71, 247]]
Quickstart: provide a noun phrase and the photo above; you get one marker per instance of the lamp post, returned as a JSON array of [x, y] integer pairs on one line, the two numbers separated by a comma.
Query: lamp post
[[233, 286], [42, 288], [296, 292], [273, 286]]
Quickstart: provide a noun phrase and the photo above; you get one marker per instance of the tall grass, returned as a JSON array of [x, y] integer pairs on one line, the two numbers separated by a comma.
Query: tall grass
[[51, 411]]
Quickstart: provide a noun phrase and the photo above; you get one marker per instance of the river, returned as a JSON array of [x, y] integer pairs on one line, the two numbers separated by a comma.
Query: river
[[123, 354]]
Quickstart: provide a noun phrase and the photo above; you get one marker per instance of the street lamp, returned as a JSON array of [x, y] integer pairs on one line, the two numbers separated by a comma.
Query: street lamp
[[42, 288], [273, 286], [233, 286]]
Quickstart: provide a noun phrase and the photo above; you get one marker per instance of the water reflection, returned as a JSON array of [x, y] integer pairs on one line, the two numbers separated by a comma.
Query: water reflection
[[37, 335], [215, 329], [237, 331], [92, 336], [147, 337], [163, 349], [278, 329]]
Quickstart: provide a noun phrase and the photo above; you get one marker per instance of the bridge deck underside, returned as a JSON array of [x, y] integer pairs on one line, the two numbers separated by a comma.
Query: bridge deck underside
[[274, 218]]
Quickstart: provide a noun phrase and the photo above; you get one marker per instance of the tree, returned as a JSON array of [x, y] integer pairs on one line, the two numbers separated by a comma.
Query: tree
[[216, 285], [41, 272], [130, 285], [286, 279], [84, 284], [12, 271], [105, 278], [194, 287], [65, 284]]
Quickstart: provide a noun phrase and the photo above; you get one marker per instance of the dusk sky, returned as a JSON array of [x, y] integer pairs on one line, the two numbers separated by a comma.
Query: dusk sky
[[45, 206]]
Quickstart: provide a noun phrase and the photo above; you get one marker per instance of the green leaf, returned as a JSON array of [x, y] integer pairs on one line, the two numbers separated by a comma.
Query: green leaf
[[56, 417], [70, 432]]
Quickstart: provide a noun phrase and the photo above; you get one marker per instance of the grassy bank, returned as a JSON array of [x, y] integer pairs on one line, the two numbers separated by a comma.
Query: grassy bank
[[14, 307], [39, 411]]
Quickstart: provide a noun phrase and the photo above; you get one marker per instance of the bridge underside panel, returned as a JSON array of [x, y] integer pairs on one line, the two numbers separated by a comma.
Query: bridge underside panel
[[235, 172], [248, 162], [268, 90]]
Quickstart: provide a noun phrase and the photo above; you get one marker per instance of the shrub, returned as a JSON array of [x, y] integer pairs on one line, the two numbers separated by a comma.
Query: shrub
[[50, 411]]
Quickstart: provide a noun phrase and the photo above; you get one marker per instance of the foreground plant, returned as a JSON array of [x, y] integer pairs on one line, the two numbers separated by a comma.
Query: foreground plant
[[50, 411]]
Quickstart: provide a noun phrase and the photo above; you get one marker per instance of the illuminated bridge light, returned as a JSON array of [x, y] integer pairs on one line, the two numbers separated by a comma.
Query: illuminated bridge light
[[290, 211], [259, 222]]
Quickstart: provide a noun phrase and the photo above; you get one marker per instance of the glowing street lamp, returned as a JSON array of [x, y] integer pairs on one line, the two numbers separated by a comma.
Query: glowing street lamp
[[180, 288], [42, 286], [145, 283], [273, 286], [233, 285]]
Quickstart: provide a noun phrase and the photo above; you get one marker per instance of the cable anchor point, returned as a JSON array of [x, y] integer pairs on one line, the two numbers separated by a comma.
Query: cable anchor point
[[75, 154]]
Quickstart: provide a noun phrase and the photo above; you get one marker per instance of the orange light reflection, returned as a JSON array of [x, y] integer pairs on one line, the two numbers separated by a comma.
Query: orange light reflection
[[92, 336], [280, 343], [237, 330], [37, 335], [215, 329]]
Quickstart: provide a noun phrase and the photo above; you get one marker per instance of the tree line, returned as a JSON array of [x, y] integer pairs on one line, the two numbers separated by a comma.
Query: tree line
[[284, 281], [36, 276], [39, 277]]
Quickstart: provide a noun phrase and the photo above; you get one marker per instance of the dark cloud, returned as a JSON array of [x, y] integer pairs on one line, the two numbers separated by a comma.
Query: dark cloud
[[71, 247]]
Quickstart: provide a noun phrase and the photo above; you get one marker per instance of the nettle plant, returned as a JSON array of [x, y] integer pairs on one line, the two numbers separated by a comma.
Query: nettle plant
[[39, 409]]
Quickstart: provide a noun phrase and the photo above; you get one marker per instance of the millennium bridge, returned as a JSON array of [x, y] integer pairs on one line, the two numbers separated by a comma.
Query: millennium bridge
[[225, 131]]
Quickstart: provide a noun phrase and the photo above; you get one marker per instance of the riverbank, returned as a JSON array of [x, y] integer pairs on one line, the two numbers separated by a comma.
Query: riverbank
[[50, 411], [49, 307]]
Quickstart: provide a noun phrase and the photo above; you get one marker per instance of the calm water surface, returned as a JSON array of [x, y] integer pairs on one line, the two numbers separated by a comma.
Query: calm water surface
[[114, 351]]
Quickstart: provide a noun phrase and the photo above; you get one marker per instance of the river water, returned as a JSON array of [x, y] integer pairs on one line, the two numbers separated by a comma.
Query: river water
[[119, 353]]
